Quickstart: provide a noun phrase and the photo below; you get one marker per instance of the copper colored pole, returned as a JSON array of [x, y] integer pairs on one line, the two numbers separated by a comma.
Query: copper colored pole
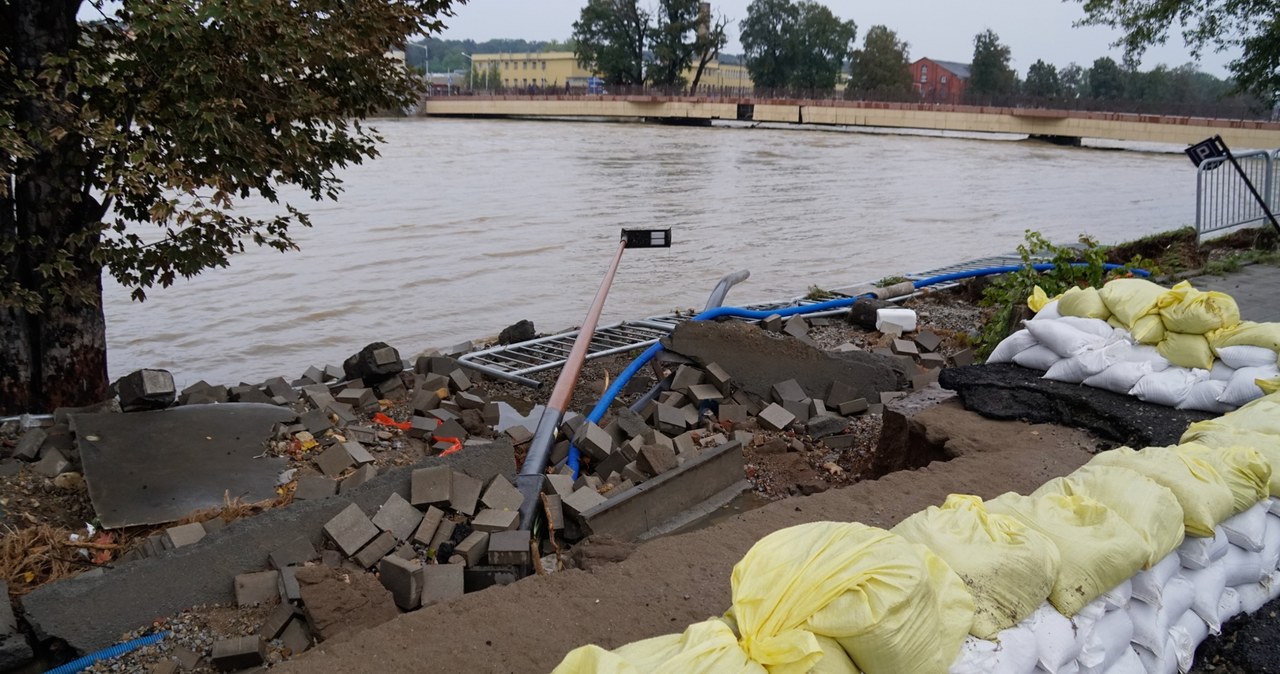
[[563, 391]]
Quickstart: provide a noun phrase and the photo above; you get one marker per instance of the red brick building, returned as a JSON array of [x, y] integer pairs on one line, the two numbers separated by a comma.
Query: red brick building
[[940, 81]]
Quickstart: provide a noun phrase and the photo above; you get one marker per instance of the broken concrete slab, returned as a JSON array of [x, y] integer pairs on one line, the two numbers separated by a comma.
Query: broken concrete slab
[[756, 362], [157, 467], [337, 601]]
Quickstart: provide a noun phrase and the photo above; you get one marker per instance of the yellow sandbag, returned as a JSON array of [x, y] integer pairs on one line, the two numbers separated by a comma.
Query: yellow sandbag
[[893, 605], [1223, 437], [1008, 567], [1268, 385], [1131, 298], [1185, 309], [1248, 333], [1200, 490], [1083, 302], [707, 647], [1117, 323], [1245, 471], [1038, 299], [1099, 549], [1148, 329], [1152, 510], [1186, 350]]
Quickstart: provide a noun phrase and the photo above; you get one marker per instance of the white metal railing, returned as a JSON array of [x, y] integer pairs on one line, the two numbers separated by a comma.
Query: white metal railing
[[1223, 200]]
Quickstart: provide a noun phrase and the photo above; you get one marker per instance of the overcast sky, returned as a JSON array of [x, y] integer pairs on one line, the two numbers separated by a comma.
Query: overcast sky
[[939, 29]]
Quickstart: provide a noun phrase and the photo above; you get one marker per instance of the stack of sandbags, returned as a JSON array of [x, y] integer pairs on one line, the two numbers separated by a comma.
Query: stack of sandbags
[[1176, 347]]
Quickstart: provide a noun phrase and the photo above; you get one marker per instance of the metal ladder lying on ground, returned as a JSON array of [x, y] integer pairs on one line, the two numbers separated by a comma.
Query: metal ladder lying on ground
[[515, 362]]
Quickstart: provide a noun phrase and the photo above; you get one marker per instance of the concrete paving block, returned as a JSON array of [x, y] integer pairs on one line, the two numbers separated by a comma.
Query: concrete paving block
[[816, 407], [358, 398], [630, 422], [798, 408], [315, 375], [904, 347], [422, 428], [404, 579], [491, 413], [391, 388], [425, 400], [296, 551], [442, 582], [187, 659], [775, 417], [232, 655], [427, 528], [684, 377], [891, 329], [315, 421], [501, 495], [839, 441], [519, 435], [654, 460], [923, 379], [582, 500], [146, 390], [788, 390], [451, 429], [214, 525], [458, 380], [164, 667], [612, 463], [928, 340], [362, 434], [296, 637], [378, 548], [252, 589], [398, 517], [670, 420], [351, 529], [561, 485], [509, 548], [684, 443], [660, 439], [357, 452], [444, 532], [491, 521], [796, 326], [962, 358], [51, 464], [772, 323], [334, 461], [288, 582], [470, 401], [744, 437], [632, 473], [701, 393], [358, 477], [554, 507], [718, 377], [825, 424], [185, 534], [875, 408], [933, 360], [314, 487], [28, 448], [691, 416], [672, 398], [852, 406], [465, 493], [276, 621], [473, 548], [732, 412], [595, 441], [431, 486]]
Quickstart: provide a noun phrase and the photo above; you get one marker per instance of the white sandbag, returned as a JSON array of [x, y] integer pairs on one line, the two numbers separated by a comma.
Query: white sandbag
[[1272, 583], [1106, 642], [977, 656], [1167, 387], [1186, 634], [1149, 354], [1210, 583], [1120, 377], [1271, 542], [1118, 597], [1221, 372], [1248, 529], [1011, 346], [1162, 661], [1229, 606], [1149, 585], [1048, 312], [1242, 567], [1038, 357], [1243, 387], [1253, 596], [1129, 663], [1090, 326], [1246, 355], [1013, 652], [1151, 623], [1204, 397], [1198, 553], [1065, 340], [1274, 506], [1079, 367], [1057, 642]]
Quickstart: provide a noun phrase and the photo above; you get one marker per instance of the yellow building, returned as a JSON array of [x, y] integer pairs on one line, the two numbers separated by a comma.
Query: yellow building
[[553, 70]]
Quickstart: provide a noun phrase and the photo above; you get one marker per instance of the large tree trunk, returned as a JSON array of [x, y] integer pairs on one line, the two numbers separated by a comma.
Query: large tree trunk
[[55, 353]]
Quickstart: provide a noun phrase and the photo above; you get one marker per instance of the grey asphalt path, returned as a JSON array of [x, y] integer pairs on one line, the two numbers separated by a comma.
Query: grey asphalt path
[[1256, 289]]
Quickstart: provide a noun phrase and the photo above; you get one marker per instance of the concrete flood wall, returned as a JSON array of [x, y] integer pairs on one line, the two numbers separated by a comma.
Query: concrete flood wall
[[91, 612]]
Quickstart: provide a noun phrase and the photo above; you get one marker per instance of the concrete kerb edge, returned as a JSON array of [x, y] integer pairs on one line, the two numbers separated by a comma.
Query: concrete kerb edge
[[655, 502], [135, 594]]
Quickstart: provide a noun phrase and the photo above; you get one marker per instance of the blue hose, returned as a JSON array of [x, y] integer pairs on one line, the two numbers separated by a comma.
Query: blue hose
[[107, 653], [597, 413]]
